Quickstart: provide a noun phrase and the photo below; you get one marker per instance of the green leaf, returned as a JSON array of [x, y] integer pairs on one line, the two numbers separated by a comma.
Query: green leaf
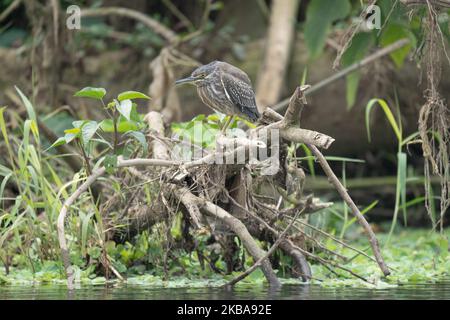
[[320, 14], [388, 114], [122, 126], [124, 108], [72, 131], [128, 95], [88, 130], [357, 50], [110, 163], [84, 232], [28, 105], [79, 123], [400, 192], [59, 142], [213, 117], [393, 33], [140, 137], [90, 92], [401, 183], [71, 134]]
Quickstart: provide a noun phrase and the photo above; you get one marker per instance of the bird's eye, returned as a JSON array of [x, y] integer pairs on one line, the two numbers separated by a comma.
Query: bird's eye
[[199, 75]]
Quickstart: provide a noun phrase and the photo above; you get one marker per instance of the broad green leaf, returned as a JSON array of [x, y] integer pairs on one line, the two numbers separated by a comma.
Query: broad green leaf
[[28, 105], [393, 33], [135, 115], [128, 95], [72, 131], [124, 108], [213, 117], [88, 130], [79, 123], [388, 114], [122, 126], [110, 163], [90, 92], [199, 117], [320, 14], [140, 137], [357, 50], [59, 142], [71, 134]]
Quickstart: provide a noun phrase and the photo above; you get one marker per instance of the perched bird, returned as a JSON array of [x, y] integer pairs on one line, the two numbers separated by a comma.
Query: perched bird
[[226, 89]]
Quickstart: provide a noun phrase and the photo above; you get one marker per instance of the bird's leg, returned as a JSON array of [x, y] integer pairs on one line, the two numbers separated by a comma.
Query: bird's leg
[[226, 125]]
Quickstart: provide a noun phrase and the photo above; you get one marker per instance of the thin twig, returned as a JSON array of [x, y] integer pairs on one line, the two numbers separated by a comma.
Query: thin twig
[[13, 6], [153, 24]]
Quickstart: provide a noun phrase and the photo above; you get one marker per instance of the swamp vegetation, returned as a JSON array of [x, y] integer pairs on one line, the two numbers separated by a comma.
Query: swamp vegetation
[[112, 176]]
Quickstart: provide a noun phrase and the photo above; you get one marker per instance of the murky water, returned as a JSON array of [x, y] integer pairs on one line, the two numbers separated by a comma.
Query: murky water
[[417, 291]]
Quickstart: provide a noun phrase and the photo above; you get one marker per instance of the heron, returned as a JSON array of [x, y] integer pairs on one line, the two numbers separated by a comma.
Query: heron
[[225, 89]]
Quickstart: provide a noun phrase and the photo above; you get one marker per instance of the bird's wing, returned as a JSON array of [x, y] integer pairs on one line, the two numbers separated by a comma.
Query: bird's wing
[[241, 94]]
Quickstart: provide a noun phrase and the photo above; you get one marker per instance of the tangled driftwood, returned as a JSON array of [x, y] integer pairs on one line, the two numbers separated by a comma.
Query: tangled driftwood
[[198, 187]]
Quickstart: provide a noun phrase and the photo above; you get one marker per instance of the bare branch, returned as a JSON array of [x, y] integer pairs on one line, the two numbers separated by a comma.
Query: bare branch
[[346, 197], [153, 24]]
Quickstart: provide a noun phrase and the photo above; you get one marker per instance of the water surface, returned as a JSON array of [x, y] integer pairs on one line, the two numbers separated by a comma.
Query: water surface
[[439, 290]]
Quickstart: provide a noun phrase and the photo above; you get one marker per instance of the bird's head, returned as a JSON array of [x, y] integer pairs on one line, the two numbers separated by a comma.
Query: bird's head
[[200, 75]]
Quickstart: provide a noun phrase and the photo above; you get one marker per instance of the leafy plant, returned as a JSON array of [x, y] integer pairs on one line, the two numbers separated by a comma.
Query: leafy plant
[[400, 194], [123, 118]]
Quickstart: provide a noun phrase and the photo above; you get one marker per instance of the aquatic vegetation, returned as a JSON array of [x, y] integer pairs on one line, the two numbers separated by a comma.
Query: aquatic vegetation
[[415, 256]]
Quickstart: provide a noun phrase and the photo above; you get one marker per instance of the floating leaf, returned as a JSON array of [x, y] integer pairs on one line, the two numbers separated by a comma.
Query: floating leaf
[[90, 92], [128, 95]]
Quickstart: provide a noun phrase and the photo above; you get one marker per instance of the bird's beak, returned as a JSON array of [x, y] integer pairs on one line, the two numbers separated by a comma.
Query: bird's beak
[[185, 80]]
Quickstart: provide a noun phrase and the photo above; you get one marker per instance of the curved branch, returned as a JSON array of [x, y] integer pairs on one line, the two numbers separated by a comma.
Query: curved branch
[[346, 197], [296, 134]]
